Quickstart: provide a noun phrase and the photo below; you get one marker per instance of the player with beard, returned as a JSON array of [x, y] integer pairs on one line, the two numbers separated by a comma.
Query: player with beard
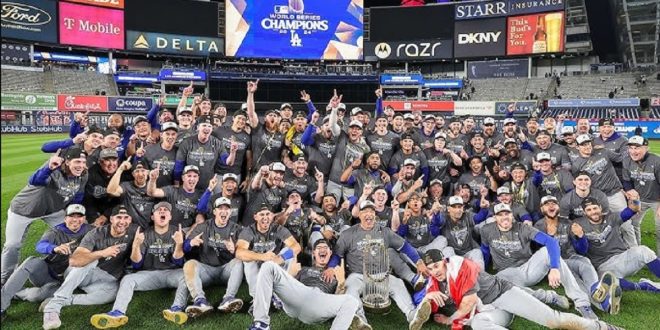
[[383, 141], [350, 247], [267, 187], [298, 219], [641, 175], [532, 128], [406, 152], [558, 154], [611, 140], [373, 174], [310, 188], [234, 134], [293, 136], [214, 240], [513, 154], [95, 266], [523, 192], [457, 225], [163, 154], [320, 143], [583, 127], [477, 176], [518, 210], [183, 198], [570, 205], [599, 238], [267, 140], [301, 285], [568, 141], [264, 240], [549, 181], [58, 183], [491, 136], [336, 221], [98, 201], [140, 137], [440, 159], [90, 141], [204, 152], [133, 194], [509, 244], [230, 192], [511, 130], [565, 232], [406, 184], [409, 123], [478, 148], [157, 257], [47, 272], [485, 301]]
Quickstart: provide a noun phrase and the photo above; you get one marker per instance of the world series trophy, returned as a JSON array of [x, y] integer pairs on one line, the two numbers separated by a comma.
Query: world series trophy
[[376, 290]]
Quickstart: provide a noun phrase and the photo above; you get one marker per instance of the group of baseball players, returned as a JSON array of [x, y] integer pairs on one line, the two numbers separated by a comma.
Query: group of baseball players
[[190, 197]]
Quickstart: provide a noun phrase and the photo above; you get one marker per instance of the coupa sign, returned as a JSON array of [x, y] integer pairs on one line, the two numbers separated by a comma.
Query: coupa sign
[[411, 50], [34, 20]]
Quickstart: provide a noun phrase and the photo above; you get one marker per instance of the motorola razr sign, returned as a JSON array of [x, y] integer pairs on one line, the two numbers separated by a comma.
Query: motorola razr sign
[[416, 50], [34, 20]]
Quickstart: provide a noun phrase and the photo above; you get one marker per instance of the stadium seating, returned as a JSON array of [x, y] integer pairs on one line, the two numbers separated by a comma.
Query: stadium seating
[[631, 113], [655, 113], [22, 81], [82, 82], [597, 86], [501, 89]]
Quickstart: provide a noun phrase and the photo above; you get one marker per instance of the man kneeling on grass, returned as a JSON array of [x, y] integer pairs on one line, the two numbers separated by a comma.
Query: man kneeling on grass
[[486, 301]]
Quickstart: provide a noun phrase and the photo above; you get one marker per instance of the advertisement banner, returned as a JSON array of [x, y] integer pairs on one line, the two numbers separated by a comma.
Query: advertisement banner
[[129, 104], [28, 101], [8, 116], [534, 6], [52, 118], [593, 103], [417, 50], [518, 107], [136, 78], [117, 4], [82, 103], [535, 34], [474, 108], [411, 23], [650, 129], [15, 52], [91, 26], [479, 38], [298, 30], [173, 43], [173, 100], [401, 79], [34, 20], [444, 83], [20, 129], [516, 68], [177, 17], [485, 9], [169, 74], [444, 106]]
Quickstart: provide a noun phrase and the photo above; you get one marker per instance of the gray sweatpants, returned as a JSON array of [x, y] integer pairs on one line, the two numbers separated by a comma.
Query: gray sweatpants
[[36, 271], [536, 268], [197, 275], [16, 231], [629, 262], [251, 270], [584, 272], [147, 280], [617, 204], [296, 298], [637, 222], [99, 286], [518, 302], [398, 292]]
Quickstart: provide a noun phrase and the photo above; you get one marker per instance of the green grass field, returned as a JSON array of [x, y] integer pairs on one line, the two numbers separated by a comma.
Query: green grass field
[[21, 156]]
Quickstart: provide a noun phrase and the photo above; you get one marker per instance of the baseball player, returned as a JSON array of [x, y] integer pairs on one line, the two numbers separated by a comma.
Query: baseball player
[[310, 188], [267, 141], [509, 244], [599, 239], [184, 198], [372, 173], [440, 159], [504, 196], [558, 154], [383, 141], [58, 183], [406, 152], [230, 192], [214, 240], [457, 225], [350, 247], [299, 286], [157, 256], [47, 272], [549, 181], [336, 221], [163, 155], [570, 205], [513, 154], [133, 194], [485, 301], [641, 175], [405, 183], [522, 190], [236, 134], [267, 187], [565, 233], [95, 266], [264, 241]]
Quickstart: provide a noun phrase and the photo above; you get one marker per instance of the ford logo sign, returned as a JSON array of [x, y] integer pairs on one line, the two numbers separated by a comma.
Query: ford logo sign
[[22, 14]]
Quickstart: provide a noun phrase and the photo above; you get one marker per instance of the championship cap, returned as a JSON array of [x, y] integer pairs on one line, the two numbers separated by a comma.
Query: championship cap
[[75, 209], [141, 165], [277, 167], [286, 105], [205, 120], [238, 113], [244, 106], [501, 207], [441, 135], [319, 242], [567, 130], [185, 109], [605, 122], [300, 114], [230, 176], [409, 116], [221, 201], [367, 204], [273, 111], [589, 201], [294, 191], [432, 256], [74, 152], [263, 206], [108, 153], [164, 110], [503, 190], [548, 199], [341, 107], [119, 209], [139, 119], [509, 141], [111, 131], [355, 123], [409, 161], [583, 138], [164, 204], [489, 121], [455, 200], [169, 125], [190, 168], [518, 166], [434, 181], [508, 121], [429, 117], [405, 136], [542, 156], [638, 141], [356, 111]]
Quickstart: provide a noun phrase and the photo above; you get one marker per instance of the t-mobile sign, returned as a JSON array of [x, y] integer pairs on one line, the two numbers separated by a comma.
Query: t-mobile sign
[[91, 26]]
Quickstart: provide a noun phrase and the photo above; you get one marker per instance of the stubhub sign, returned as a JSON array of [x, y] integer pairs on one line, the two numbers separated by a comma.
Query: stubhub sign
[[173, 43]]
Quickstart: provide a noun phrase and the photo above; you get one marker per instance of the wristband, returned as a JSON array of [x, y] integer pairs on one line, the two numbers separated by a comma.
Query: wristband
[[288, 254]]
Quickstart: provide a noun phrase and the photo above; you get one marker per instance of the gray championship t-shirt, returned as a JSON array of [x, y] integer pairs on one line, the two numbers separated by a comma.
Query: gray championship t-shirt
[[313, 277], [59, 235], [213, 251], [100, 238], [418, 234], [272, 240], [243, 140], [508, 248], [439, 165], [352, 243], [347, 152], [570, 205], [563, 234], [203, 155], [600, 169], [556, 184], [157, 249], [266, 147], [138, 203], [386, 145], [460, 234], [645, 176], [155, 155], [604, 238], [184, 205], [272, 196]]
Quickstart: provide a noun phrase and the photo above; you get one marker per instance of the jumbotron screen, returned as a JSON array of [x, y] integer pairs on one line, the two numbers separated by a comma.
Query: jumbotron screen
[[295, 29]]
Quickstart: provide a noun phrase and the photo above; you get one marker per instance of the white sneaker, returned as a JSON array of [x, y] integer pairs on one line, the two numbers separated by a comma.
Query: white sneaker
[[421, 315], [51, 321], [43, 304], [651, 283], [359, 324]]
